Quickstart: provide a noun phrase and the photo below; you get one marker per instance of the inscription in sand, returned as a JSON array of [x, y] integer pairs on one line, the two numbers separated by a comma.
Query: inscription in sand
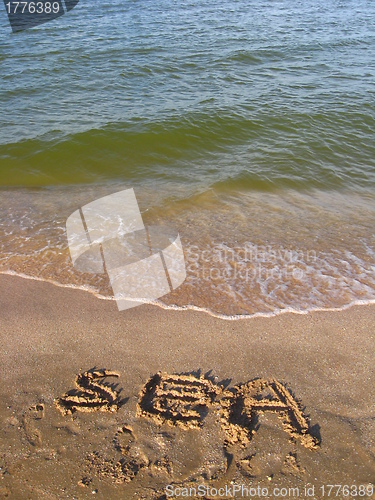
[[240, 405], [91, 394], [181, 400], [184, 400]]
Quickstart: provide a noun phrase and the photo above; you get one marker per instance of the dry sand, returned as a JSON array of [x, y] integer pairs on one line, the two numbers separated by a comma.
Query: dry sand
[[310, 419]]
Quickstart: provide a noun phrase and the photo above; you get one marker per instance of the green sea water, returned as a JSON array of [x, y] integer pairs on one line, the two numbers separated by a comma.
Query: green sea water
[[240, 123], [257, 94]]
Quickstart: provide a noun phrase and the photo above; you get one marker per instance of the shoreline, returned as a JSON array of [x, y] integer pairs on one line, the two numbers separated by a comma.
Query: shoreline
[[239, 259], [190, 307], [49, 335]]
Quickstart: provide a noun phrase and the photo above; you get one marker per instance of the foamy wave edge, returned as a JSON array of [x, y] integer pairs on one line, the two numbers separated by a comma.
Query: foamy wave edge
[[190, 307]]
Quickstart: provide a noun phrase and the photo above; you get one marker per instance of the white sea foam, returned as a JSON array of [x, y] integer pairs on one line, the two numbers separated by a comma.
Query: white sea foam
[[191, 307]]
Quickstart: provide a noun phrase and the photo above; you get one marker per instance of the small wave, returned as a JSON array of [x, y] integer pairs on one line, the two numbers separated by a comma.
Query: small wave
[[258, 150], [84, 288], [244, 56], [191, 307]]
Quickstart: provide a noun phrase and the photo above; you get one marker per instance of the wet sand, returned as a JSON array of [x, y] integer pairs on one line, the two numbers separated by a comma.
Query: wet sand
[[126, 445]]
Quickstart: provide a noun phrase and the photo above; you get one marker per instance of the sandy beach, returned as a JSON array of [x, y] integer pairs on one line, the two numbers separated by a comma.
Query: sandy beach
[[121, 449]]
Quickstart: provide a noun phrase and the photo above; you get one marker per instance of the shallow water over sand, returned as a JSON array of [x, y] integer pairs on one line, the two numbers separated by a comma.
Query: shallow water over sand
[[245, 254]]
